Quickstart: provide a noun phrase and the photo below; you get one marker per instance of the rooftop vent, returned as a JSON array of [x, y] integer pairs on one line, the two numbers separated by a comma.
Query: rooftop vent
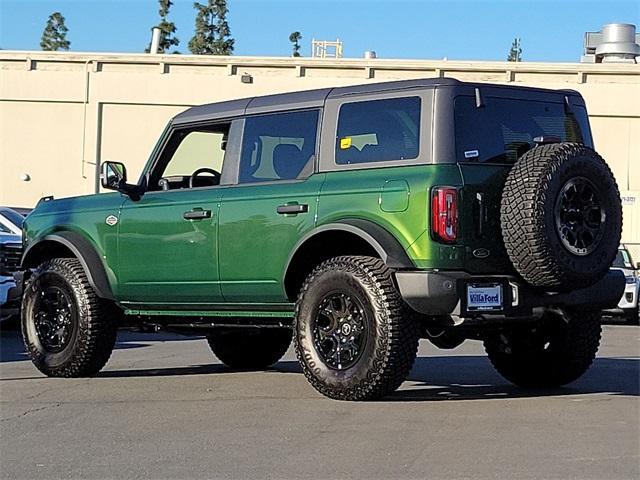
[[618, 42]]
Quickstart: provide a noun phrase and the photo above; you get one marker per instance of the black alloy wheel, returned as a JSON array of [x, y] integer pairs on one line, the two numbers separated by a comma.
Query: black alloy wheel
[[580, 216], [340, 330], [54, 313]]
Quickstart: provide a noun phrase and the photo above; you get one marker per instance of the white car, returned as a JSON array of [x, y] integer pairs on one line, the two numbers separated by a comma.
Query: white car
[[10, 255], [628, 304]]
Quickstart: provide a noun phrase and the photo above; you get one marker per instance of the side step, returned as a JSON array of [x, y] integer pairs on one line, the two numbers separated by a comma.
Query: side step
[[199, 322]]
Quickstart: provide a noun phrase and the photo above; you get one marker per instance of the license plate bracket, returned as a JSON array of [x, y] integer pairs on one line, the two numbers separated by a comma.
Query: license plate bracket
[[484, 297]]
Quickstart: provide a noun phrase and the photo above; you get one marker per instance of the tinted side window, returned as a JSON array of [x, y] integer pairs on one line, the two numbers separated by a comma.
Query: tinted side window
[[278, 146], [187, 151], [197, 150], [504, 129], [378, 131]]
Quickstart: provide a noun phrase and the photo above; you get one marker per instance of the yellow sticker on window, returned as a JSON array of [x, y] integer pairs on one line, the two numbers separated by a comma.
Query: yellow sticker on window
[[345, 143]]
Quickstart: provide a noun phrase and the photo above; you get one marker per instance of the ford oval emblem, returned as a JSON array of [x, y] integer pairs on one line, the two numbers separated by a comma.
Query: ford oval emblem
[[481, 253]]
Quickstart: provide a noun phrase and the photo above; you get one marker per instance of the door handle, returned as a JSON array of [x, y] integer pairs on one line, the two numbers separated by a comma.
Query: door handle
[[197, 214], [292, 208]]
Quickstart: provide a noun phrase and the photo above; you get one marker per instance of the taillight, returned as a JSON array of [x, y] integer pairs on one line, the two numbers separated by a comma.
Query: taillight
[[444, 213]]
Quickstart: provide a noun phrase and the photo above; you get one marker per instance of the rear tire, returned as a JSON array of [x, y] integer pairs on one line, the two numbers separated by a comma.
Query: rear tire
[[67, 330], [561, 216], [354, 336], [250, 349], [555, 352]]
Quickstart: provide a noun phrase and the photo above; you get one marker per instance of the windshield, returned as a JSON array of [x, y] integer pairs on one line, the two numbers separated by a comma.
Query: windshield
[[622, 260], [503, 130]]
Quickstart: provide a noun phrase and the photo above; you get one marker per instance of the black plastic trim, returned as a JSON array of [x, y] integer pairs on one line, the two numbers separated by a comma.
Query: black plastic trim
[[383, 242], [85, 253]]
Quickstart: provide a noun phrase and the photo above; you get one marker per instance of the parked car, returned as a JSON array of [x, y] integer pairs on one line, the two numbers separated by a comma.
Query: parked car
[[10, 254], [11, 220], [628, 305], [352, 220]]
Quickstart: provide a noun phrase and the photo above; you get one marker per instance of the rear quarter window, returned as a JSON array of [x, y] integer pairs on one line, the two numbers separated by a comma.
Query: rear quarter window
[[503, 130], [378, 131]]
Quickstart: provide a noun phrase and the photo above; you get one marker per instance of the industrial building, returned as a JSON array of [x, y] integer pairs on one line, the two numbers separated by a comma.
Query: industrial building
[[62, 114]]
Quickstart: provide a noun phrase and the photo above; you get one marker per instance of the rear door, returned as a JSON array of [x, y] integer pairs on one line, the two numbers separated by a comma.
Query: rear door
[[270, 208], [488, 141]]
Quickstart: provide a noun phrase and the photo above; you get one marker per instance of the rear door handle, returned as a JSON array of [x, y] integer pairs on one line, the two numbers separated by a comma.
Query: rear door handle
[[292, 208], [197, 214]]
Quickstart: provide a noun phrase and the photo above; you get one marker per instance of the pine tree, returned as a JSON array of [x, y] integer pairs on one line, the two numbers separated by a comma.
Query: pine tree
[[515, 53], [167, 29], [54, 36], [295, 38], [213, 35]]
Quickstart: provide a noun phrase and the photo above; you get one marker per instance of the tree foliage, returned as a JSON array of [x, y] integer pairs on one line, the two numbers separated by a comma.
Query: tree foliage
[[54, 36], [295, 38], [212, 35], [167, 28], [515, 53]]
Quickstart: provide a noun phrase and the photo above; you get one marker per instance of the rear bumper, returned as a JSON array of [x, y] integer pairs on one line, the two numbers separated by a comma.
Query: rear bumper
[[444, 293]]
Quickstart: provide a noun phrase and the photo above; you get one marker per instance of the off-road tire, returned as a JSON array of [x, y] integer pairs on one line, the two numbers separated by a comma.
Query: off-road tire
[[95, 322], [528, 217], [392, 334], [250, 348], [555, 352]]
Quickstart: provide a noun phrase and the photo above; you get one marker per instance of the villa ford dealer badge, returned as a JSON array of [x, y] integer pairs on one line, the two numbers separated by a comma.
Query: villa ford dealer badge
[[111, 220]]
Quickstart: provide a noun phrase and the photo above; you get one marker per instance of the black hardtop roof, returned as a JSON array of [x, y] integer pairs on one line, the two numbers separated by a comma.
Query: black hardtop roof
[[317, 97]]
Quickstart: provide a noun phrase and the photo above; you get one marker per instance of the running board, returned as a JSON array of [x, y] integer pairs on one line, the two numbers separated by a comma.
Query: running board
[[198, 322], [211, 313]]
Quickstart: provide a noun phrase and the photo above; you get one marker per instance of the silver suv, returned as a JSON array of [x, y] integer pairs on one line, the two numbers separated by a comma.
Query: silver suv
[[628, 305], [10, 254]]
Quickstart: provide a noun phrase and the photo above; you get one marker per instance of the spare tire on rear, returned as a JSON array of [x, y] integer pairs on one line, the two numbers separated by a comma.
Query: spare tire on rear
[[561, 216]]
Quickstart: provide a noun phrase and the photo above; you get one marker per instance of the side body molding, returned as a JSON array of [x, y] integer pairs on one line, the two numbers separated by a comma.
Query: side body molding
[[83, 251]]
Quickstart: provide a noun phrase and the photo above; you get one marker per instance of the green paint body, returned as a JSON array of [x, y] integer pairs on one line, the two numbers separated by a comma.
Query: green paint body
[[239, 255]]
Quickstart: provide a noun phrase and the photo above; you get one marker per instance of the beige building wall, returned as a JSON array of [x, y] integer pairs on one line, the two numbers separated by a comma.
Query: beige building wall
[[61, 114]]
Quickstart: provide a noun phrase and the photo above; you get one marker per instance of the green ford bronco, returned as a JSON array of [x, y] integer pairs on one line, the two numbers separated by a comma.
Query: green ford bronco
[[353, 221]]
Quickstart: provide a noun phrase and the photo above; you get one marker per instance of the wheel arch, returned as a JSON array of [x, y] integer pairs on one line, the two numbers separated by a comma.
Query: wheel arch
[[345, 237], [70, 244]]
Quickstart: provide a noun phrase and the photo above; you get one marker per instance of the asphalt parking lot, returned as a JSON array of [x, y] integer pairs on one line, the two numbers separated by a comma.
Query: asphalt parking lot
[[165, 408]]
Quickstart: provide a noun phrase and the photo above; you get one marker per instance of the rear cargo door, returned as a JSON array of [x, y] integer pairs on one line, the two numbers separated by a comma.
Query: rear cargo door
[[490, 136], [480, 218]]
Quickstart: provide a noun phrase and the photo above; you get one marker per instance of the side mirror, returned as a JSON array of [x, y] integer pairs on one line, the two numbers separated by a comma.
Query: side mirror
[[113, 175]]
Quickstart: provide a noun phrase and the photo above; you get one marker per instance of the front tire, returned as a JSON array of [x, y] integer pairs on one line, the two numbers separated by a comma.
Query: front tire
[[354, 336], [557, 351], [67, 330], [250, 349]]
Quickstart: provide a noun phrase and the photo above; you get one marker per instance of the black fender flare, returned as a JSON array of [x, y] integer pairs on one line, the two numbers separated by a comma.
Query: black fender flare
[[85, 252], [384, 243]]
